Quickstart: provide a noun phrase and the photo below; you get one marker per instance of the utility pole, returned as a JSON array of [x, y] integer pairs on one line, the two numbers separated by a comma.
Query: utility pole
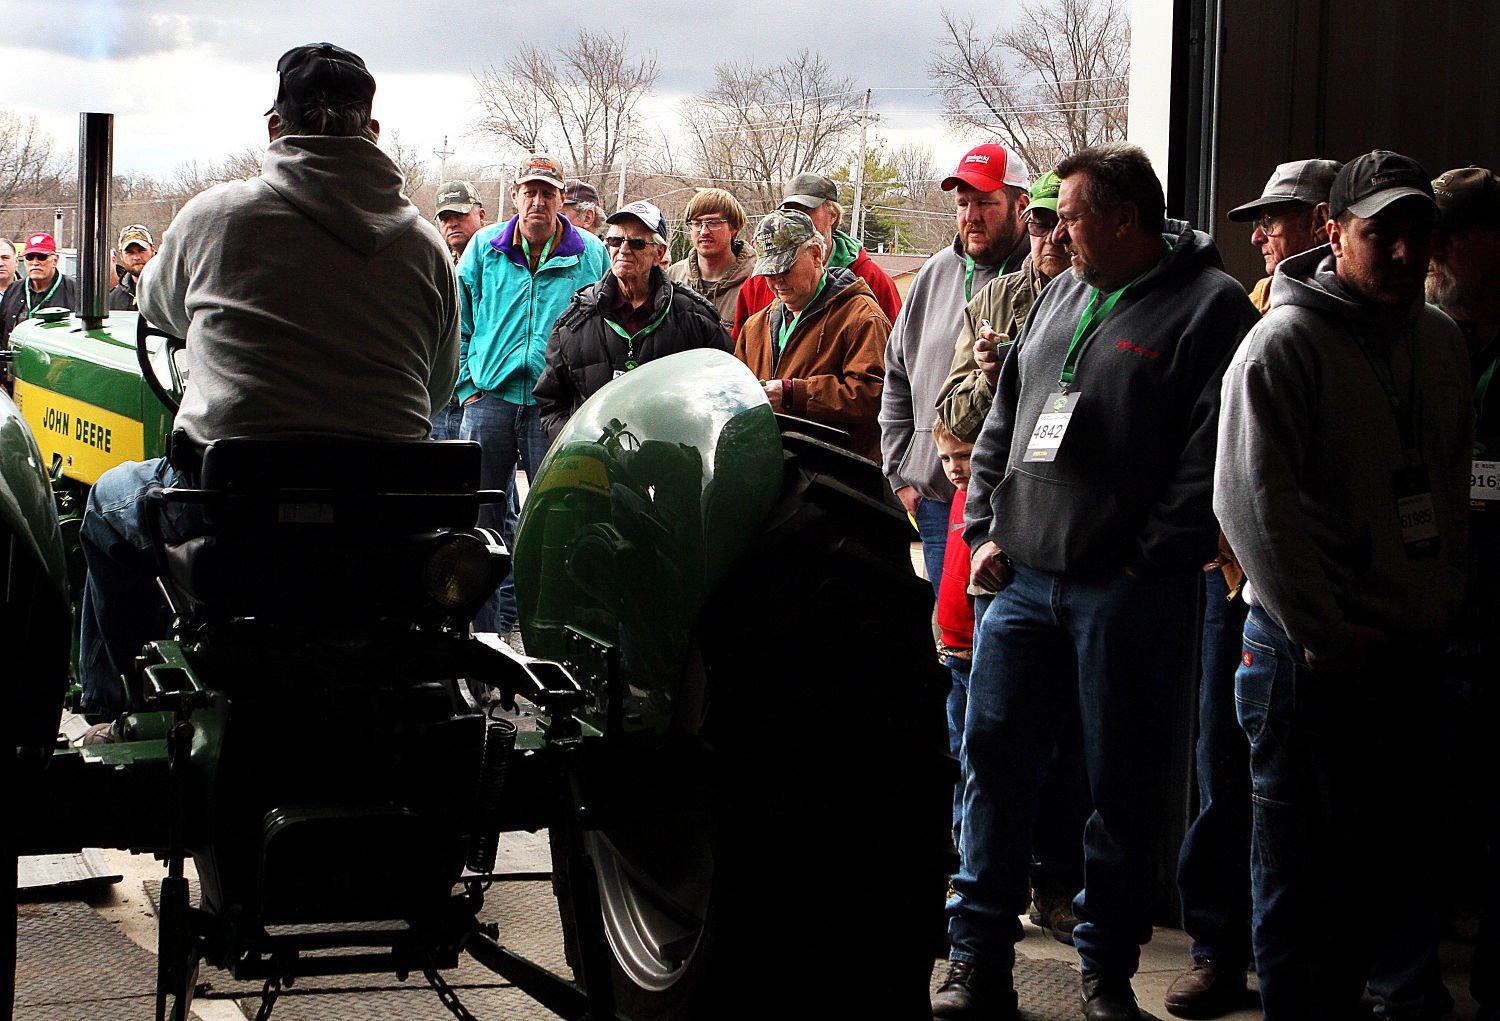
[[859, 173], [442, 155]]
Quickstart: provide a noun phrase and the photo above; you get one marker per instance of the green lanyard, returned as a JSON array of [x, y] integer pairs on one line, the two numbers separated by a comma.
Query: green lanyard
[[1482, 388], [1403, 410], [968, 279], [546, 250], [42, 303], [630, 361], [791, 323], [1093, 317]]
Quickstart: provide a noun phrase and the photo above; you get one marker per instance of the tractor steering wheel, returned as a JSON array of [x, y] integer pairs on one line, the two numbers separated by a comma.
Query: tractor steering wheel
[[170, 392]]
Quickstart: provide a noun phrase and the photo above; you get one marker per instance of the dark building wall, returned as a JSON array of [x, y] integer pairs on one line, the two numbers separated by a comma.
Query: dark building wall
[[1337, 78]]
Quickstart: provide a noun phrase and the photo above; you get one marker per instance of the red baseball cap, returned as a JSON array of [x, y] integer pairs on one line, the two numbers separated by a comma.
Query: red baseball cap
[[39, 243], [989, 167]]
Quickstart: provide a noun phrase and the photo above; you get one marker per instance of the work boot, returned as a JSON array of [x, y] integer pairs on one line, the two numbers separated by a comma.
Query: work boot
[[1206, 990], [1052, 910], [1108, 998], [972, 992]]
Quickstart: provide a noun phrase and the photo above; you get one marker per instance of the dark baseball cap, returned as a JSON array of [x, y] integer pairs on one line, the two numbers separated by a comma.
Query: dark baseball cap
[[576, 191], [320, 72], [1368, 184], [1468, 197], [1304, 181], [809, 191]]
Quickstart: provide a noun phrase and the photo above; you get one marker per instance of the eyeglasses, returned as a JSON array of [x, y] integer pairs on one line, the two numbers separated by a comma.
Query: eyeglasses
[[634, 244], [1269, 224], [37, 256], [1039, 228], [707, 225]]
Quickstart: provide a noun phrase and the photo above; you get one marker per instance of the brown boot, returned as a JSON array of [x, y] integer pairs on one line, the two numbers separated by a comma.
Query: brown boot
[[1206, 990]]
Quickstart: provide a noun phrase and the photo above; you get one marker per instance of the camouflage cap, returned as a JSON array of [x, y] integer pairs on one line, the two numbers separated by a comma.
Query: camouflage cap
[[457, 197], [779, 238]]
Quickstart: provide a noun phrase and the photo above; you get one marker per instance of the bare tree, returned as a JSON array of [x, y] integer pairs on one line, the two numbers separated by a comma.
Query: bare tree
[[413, 165], [1051, 84], [928, 220], [31, 174], [579, 101], [757, 127]]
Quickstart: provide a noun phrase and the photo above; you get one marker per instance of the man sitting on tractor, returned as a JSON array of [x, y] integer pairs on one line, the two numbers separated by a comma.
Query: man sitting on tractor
[[275, 348]]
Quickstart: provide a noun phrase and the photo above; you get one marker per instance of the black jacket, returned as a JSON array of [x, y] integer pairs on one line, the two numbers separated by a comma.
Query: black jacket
[[1132, 483], [584, 352], [14, 308], [122, 298]]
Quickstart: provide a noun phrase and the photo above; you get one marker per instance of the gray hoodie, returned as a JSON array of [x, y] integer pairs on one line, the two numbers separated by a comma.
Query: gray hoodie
[[1308, 444], [917, 358], [314, 298]]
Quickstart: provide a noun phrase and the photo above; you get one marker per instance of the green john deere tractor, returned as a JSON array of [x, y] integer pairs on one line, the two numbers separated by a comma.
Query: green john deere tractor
[[741, 757]]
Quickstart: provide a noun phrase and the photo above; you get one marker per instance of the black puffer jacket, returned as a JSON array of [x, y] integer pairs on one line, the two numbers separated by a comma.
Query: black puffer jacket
[[584, 351]]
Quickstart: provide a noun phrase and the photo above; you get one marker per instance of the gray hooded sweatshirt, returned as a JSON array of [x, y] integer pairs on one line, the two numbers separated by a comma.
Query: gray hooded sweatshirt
[[314, 298], [1308, 444]]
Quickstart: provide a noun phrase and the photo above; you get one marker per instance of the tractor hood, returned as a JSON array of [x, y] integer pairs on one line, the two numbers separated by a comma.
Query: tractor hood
[[650, 495]]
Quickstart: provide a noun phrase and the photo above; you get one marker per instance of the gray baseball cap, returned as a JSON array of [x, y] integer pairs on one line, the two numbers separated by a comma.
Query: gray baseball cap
[[809, 191], [457, 197], [779, 238], [1304, 181], [649, 216]]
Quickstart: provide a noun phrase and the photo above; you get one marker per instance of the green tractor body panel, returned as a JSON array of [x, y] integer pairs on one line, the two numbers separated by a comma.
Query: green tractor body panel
[[82, 395], [37, 626], [647, 498], [26, 507]]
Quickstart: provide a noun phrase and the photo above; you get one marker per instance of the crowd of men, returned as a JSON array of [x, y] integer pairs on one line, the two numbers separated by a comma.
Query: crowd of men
[[1127, 476]]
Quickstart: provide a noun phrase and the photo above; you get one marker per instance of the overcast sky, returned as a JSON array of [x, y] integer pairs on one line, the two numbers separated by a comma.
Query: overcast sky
[[190, 79]]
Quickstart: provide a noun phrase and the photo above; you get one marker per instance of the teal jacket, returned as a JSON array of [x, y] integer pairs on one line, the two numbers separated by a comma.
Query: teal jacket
[[507, 312]]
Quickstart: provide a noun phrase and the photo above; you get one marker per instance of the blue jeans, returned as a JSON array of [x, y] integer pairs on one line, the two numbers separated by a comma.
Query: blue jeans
[[1344, 767], [447, 420], [932, 526], [508, 434], [1213, 868], [958, 704], [1113, 650], [122, 607], [1062, 808]]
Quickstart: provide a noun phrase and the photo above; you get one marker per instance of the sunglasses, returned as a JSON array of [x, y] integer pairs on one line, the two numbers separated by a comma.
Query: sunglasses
[[634, 244], [37, 256]]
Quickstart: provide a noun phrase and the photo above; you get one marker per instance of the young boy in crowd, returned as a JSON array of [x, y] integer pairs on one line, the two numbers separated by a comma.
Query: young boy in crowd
[[955, 608]]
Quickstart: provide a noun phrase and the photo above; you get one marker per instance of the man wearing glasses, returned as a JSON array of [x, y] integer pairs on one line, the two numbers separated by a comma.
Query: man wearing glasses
[[720, 261], [817, 196], [993, 319], [632, 316], [819, 348], [1290, 217], [46, 286]]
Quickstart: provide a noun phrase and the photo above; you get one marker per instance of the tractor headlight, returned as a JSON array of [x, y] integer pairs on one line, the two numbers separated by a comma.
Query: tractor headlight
[[462, 571]]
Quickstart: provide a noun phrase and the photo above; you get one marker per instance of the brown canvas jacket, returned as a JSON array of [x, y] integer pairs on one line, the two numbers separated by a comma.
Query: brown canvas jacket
[[966, 395], [835, 360]]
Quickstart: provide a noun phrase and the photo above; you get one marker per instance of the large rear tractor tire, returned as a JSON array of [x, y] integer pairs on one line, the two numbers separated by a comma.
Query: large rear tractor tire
[[811, 883]]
